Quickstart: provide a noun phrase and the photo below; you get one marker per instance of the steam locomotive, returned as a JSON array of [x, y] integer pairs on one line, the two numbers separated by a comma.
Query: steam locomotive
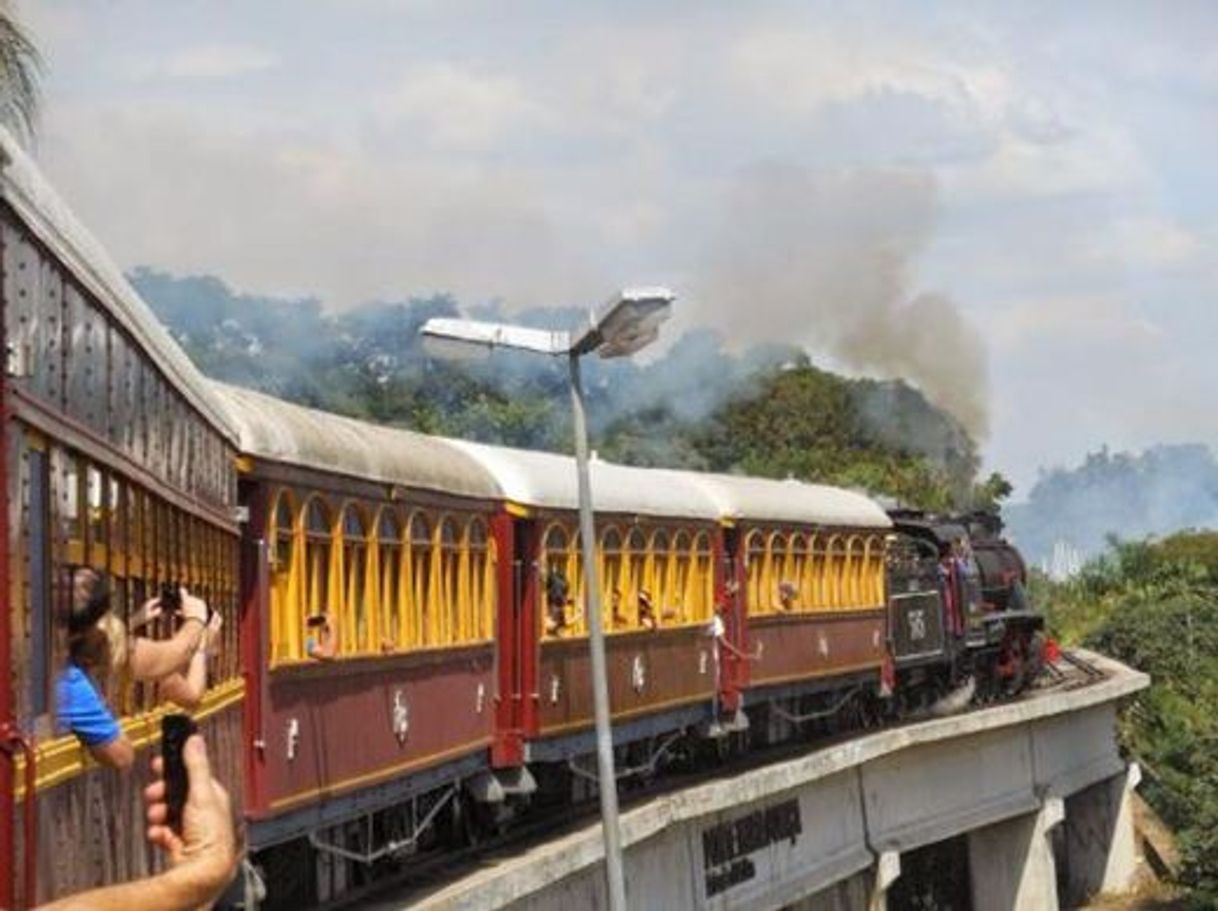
[[739, 611]]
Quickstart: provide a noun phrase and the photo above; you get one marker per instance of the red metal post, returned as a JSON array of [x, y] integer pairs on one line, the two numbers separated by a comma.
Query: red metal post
[[729, 564], [7, 789], [13, 741], [255, 647], [528, 636], [507, 745]]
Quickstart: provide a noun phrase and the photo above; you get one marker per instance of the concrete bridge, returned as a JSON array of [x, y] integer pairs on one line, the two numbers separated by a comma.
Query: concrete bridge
[[1031, 797]]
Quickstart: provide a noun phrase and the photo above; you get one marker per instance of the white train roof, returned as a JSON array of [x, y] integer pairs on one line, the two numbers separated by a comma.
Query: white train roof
[[766, 500], [280, 431], [36, 203], [547, 480]]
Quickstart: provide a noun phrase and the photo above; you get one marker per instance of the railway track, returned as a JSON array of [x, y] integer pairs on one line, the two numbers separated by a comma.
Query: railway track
[[426, 873]]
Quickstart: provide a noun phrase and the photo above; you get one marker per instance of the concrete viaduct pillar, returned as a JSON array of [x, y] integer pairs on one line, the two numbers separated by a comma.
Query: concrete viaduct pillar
[[1100, 851], [1011, 862]]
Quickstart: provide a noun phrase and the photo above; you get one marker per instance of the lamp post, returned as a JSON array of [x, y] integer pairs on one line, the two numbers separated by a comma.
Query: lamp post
[[626, 324]]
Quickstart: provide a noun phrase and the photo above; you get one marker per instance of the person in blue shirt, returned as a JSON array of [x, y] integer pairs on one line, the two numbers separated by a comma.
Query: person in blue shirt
[[80, 708], [99, 647]]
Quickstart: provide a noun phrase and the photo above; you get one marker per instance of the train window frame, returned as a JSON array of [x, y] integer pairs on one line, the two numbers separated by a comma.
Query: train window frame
[[775, 563], [448, 549], [874, 562], [390, 546], [611, 550], [636, 559], [286, 582], [355, 618], [560, 552], [682, 562], [703, 550], [481, 551], [422, 555], [854, 572], [835, 570], [755, 553], [317, 580]]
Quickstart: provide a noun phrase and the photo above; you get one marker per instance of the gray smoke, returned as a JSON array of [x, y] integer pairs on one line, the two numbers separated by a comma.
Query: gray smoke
[[825, 259], [1122, 494]]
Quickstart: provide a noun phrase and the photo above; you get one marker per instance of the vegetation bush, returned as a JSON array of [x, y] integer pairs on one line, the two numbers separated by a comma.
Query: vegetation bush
[[1154, 606]]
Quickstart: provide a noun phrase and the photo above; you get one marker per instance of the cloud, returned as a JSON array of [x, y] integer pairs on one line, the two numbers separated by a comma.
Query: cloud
[[1084, 324], [214, 61], [460, 109], [1043, 167], [1146, 241], [799, 70], [308, 216]]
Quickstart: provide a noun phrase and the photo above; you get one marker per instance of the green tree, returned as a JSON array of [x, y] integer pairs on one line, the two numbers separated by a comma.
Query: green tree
[[990, 493], [1154, 605], [806, 423], [20, 67]]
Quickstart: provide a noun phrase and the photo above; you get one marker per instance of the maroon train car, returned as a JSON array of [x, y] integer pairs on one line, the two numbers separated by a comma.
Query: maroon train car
[[360, 737]]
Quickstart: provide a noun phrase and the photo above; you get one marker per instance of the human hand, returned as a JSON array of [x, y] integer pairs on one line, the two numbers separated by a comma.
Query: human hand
[[147, 612], [211, 638], [193, 607], [204, 853]]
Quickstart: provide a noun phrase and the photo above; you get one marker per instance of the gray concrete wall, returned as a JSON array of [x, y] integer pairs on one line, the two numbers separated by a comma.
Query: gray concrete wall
[[775, 836]]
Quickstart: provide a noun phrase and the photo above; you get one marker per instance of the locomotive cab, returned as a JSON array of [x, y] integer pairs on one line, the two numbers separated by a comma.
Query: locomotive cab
[[991, 632]]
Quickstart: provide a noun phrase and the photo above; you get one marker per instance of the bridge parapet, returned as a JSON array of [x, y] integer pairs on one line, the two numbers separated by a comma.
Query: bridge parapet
[[817, 825]]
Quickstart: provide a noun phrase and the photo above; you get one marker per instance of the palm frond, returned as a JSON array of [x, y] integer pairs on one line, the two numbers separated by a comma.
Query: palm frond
[[20, 68]]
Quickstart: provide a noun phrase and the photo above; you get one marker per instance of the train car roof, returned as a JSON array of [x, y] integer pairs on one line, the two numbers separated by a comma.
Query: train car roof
[[767, 500], [44, 211], [547, 480], [280, 431], [283, 432]]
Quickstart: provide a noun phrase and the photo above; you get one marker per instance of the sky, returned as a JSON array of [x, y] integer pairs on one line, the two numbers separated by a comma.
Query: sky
[[1013, 204]]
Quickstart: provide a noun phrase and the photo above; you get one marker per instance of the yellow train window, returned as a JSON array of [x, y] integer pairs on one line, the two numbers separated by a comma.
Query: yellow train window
[[421, 577], [481, 581], [702, 585], [355, 557], [317, 564], [389, 544]]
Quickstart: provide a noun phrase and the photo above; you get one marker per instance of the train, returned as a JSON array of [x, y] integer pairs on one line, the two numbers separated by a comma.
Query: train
[[454, 695]]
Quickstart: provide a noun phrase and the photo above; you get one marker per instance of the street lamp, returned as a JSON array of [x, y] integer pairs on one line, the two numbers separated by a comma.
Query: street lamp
[[625, 324]]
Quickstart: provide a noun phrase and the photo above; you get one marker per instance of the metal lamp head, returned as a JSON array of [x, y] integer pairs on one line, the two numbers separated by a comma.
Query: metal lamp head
[[631, 321], [462, 339], [446, 348]]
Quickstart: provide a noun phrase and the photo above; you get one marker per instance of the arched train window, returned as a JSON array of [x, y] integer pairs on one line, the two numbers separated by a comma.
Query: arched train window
[[754, 570], [317, 563], [389, 560], [450, 582], [424, 610], [354, 589], [481, 581]]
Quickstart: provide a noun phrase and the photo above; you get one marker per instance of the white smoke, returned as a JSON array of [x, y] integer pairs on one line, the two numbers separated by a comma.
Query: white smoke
[[824, 259]]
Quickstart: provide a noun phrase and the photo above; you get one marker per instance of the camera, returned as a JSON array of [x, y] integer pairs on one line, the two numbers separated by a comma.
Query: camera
[[171, 597]]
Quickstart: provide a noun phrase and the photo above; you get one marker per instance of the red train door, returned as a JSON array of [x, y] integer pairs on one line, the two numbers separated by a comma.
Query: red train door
[[516, 641], [255, 638], [734, 674]]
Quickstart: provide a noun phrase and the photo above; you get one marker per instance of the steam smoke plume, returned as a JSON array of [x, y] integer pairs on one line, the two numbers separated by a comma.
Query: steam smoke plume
[[824, 260]]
